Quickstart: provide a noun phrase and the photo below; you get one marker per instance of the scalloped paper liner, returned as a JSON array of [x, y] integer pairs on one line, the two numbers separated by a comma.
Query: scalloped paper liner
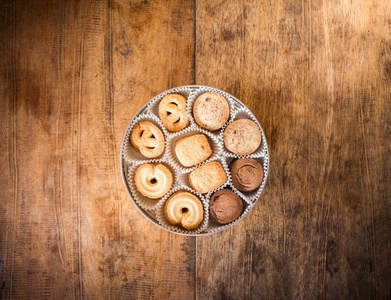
[[199, 92], [145, 202], [161, 217], [213, 226], [214, 143], [153, 107], [129, 153], [244, 113]]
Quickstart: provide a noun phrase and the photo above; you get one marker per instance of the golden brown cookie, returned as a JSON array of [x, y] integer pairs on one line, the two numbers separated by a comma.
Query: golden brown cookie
[[192, 150], [153, 180], [147, 139], [172, 112], [242, 137], [207, 177], [185, 209], [211, 111]]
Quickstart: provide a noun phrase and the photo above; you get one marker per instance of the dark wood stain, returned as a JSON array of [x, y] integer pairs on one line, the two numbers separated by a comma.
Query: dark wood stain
[[313, 233]]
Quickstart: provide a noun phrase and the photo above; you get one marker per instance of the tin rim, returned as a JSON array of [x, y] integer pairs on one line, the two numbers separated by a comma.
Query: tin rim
[[124, 178]]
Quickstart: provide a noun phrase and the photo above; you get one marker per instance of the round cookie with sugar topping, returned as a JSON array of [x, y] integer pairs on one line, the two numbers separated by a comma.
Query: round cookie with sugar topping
[[211, 111], [242, 137], [147, 139], [172, 112]]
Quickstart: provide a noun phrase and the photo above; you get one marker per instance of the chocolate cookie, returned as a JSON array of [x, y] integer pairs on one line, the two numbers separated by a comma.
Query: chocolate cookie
[[225, 206], [247, 174]]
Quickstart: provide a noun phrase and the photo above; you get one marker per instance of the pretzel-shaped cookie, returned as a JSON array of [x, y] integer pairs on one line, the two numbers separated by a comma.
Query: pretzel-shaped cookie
[[147, 139], [172, 112]]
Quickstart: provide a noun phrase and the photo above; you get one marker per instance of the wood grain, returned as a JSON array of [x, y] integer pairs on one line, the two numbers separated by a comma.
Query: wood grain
[[316, 75], [73, 74]]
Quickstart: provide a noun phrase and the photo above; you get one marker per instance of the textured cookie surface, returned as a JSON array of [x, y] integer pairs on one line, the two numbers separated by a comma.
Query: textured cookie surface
[[193, 149], [211, 111], [247, 174], [172, 112], [207, 177], [242, 137], [147, 139], [225, 206], [185, 209], [153, 180]]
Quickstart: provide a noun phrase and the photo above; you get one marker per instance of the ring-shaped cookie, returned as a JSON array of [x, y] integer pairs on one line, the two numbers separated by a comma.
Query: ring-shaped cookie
[[185, 209], [153, 181]]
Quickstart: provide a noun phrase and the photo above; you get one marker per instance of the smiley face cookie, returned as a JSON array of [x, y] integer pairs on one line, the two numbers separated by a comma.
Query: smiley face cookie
[[172, 112], [147, 139]]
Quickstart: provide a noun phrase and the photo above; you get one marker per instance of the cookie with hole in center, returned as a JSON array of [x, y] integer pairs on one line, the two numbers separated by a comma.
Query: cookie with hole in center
[[185, 209], [147, 139], [153, 180], [172, 112]]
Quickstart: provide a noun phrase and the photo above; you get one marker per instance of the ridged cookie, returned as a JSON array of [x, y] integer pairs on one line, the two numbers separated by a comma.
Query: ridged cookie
[[172, 112], [153, 180], [185, 209], [192, 150], [211, 111], [247, 174]]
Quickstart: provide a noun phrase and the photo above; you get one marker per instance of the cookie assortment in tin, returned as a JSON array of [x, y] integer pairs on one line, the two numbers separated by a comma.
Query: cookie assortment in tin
[[194, 160]]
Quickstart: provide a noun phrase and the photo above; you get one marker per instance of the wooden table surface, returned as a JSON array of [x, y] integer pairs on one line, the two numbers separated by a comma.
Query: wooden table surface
[[317, 75]]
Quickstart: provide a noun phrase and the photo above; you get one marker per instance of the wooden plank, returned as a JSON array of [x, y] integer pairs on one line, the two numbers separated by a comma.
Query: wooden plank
[[317, 76], [153, 50], [70, 86]]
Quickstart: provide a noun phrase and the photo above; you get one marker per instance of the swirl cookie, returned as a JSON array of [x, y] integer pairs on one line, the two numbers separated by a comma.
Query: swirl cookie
[[247, 174], [147, 139], [211, 111], [207, 177], [185, 209], [192, 150], [172, 112], [242, 137], [153, 180]]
